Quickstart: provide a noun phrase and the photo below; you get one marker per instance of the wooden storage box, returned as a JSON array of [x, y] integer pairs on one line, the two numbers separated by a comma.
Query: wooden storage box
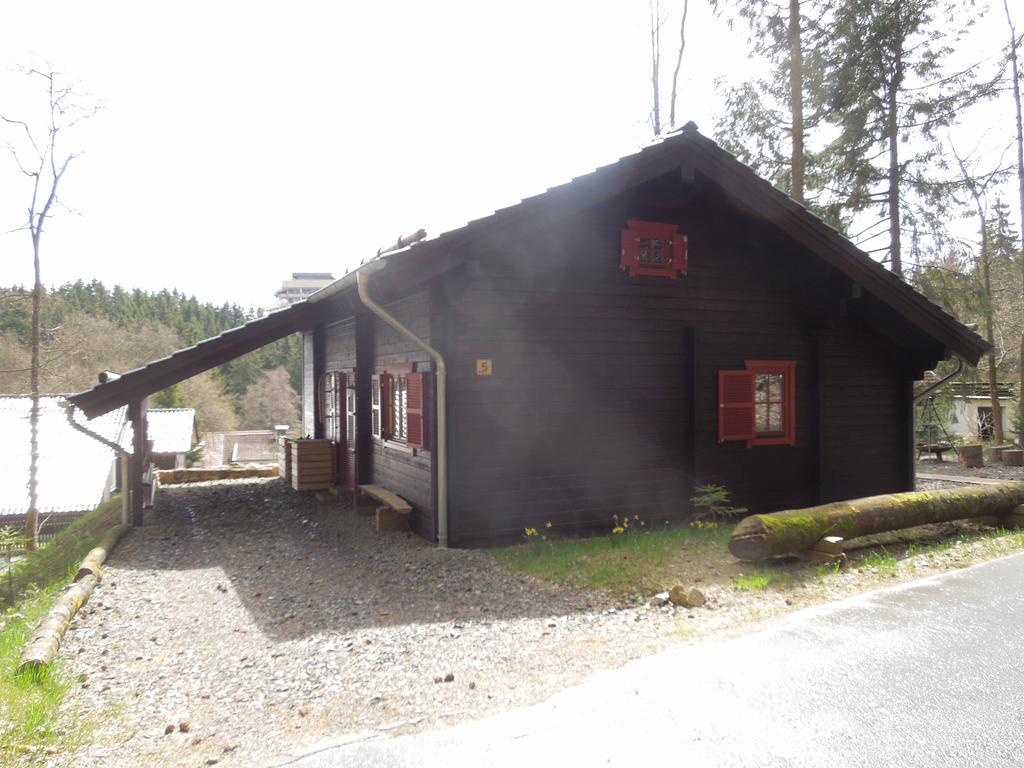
[[284, 458], [312, 465]]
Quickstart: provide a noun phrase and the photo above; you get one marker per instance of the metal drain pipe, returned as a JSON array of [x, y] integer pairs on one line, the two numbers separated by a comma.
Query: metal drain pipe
[[941, 382], [362, 286]]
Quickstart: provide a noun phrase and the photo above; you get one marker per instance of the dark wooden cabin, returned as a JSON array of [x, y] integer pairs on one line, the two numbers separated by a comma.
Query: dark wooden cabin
[[666, 321]]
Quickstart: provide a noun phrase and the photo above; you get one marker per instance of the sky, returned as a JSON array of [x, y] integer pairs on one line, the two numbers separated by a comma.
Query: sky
[[239, 142]]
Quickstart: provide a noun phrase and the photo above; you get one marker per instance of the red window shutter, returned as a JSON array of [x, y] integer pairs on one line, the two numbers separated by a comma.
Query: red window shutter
[[385, 406], [680, 250], [735, 405], [415, 435], [375, 405]]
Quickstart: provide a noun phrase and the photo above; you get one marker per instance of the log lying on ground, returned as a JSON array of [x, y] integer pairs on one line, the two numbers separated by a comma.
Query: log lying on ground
[[759, 537], [42, 648], [93, 562]]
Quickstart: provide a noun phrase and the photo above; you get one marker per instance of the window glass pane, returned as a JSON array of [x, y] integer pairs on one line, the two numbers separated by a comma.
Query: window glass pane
[[775, 417], [761, 387], [650, 250], [761, 417], [775, 387]]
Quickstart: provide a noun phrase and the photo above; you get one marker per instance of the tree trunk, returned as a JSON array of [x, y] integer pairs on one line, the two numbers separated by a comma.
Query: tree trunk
[[993, 379], [796, 100], [759, 537], [892, 131], [1015, 73], [655, 65], [679, 64], [32, 515]]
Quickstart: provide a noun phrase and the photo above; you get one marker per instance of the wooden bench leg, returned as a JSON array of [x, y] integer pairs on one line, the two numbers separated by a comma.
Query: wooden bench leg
[[389, 520]]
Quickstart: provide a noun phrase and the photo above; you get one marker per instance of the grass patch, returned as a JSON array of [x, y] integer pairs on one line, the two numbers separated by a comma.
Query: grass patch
[[635, 563], [29, 703], [760, 580], [64, 551]]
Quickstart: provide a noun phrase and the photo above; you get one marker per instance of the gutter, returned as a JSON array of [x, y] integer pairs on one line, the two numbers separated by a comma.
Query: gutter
[[941, 382], [362, 276], [69, 412]]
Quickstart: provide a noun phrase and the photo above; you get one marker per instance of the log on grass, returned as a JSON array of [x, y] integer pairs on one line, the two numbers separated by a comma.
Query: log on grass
[[759, 537], [45, 642], [42, 648], [93, 562]]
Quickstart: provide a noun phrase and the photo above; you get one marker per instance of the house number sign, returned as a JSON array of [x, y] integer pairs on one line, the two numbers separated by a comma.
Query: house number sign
[[484, 368]]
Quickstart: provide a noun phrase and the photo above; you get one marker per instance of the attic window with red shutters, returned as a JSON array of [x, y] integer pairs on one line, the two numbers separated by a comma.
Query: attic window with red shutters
[[758, 404], [653, 248]]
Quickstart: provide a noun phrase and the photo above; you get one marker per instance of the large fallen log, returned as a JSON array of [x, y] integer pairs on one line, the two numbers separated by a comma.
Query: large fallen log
[[759, 537], [42, 648]]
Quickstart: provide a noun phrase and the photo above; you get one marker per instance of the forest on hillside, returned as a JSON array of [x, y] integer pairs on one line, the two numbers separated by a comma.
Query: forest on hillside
[[87, 328]]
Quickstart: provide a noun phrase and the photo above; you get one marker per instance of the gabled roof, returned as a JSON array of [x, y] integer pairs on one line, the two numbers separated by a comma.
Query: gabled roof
[[73, 468], [171, 429], [687, 149]]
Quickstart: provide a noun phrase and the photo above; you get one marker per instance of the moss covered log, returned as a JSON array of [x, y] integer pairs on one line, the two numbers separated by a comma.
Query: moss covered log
[[759, 537]]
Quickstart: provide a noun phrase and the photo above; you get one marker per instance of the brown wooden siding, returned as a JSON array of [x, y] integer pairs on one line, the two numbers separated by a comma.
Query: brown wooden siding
[[865, 448], [399, 469], [588, 412]]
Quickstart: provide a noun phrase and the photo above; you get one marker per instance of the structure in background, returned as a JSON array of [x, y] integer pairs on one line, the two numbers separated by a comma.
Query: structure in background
[[246, 447], [970, 414], [172, 432], [76, 473], [302, 285]]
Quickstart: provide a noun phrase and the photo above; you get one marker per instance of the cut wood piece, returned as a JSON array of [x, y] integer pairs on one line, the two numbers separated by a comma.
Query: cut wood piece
[[826, 558], [971, 456], [759, 537], [1013, 457], [383, 495], [93, 562], [389, 520], [996, 452], [830, 545]]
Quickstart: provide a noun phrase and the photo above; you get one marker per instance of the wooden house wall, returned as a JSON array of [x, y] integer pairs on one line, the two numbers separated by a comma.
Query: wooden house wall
[[603, 397], [370, 346]]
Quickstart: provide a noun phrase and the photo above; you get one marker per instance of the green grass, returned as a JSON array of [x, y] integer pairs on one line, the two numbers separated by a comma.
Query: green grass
[[760, 580], [52, 561], [633, 563], [29, 702]]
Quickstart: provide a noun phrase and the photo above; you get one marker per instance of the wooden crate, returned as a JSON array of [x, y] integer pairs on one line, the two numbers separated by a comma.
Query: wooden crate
[[284, 458], [312, 465]]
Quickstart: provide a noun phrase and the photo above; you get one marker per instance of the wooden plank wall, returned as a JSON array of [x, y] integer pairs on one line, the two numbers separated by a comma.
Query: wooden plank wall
[[375, 347], [588, 412]]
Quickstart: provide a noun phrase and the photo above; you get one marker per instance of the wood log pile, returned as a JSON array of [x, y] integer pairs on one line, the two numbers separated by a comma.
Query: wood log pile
[[760, 537], [42, 647]]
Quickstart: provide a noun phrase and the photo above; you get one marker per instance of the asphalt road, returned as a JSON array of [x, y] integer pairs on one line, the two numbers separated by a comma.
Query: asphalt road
[[929, 673]]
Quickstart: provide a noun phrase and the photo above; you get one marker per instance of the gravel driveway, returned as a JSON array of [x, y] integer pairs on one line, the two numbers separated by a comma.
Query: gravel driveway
[[253, 619]]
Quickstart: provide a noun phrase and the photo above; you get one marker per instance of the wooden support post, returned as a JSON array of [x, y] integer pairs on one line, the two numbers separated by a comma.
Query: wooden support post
[[137, 415], [125, 460]]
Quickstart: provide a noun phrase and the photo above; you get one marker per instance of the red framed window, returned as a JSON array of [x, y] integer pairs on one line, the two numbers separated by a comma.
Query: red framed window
[[758, 405], [653, 248], [397, 402], [332, 388]]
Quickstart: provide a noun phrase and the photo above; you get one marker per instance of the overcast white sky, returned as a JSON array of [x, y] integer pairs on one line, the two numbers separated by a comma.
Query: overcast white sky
[[242, 141]]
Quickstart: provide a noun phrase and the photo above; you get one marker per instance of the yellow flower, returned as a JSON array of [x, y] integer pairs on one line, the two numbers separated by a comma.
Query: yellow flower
[[548, 525], [636, 517], [618, 529]]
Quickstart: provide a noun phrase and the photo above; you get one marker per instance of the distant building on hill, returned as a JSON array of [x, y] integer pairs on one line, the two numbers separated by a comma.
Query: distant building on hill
[[302, 285]]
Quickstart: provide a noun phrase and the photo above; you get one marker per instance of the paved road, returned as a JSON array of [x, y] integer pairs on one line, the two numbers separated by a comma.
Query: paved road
[[927, 674]]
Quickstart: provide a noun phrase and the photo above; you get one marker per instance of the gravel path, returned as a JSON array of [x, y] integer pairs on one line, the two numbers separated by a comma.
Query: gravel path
[[252, 619], [249, 620], [992, 470]]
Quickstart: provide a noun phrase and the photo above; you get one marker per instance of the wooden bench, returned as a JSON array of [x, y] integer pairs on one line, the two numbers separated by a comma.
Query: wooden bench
[[393, 514], [937, 448]]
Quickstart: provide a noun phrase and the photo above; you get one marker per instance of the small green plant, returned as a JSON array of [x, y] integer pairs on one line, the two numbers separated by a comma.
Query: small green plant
[[882, 561], [712, 503], [537, 538], [760, 580], [625, 527], [11, 543]]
